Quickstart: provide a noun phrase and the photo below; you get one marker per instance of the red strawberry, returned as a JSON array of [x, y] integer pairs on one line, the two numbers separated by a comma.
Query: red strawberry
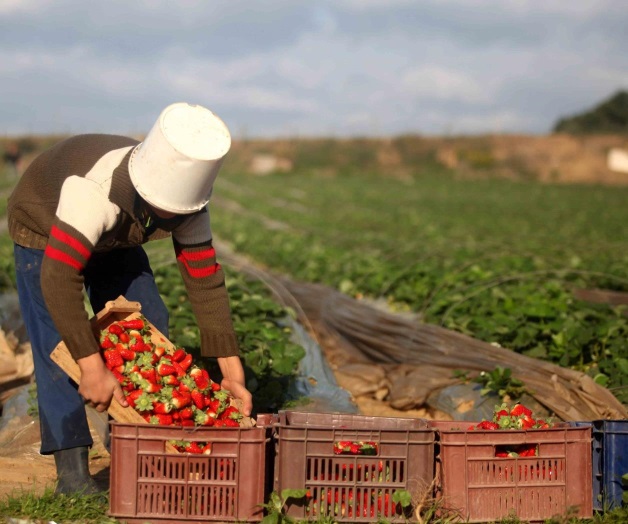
[[201, 377], [159, 351], [488, 425], [198, 398], [231, 412], [180, 399], [170, 380], [186, 413], [115, 329], [124, 337], [193, 447], [135, 323], [178, 369], [207, 449], [149, 387], [112, 358], [149, 374], [161, 418], [520, 409], [108, 341], [187, 422], [133, 396], [527, 422], [162, 407], [499, 414], [186, 362], [127, 354], [205, 418], [178, 355], [230, 423], [165, 367], [187, 384]]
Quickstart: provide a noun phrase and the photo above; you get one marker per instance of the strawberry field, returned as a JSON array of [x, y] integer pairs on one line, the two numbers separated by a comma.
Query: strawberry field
[[500, 260]]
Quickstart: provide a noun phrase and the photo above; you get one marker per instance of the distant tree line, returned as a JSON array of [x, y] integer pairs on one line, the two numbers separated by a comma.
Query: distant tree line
[[610, 117]]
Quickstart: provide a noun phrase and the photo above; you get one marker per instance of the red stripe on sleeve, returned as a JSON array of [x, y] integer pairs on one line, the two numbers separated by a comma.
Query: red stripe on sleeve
[[197, 272], [197, 255], [56, 254], [69, 240]]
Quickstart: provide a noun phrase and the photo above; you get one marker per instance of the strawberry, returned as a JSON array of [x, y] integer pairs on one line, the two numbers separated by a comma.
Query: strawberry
[[519, 410], [198, 398], [124, 337], [178, 355], [186, 413], [165, 367], [133, 396], [178, 369], [161, 418], [488, 425], [119, 376], [180, 400], [187, 422], [138, 345], [149, 387], [149, 374], [527, 422], [143, 402], [115, 329], [108, 341], [205, 418], [201, 377], [127, 354], [214, 404], [112, 358], [170, 380], [159, 351], [230, 423], [187, 384], [207, 449], [162, 408], [215, 386], [135, 323], [193, 447], [231, 412], [186, 362]]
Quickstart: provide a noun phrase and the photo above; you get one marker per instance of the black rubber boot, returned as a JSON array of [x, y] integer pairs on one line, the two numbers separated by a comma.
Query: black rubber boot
[[73, 472]]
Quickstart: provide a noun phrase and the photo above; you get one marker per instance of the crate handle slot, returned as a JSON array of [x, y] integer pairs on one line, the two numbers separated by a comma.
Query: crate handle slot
[[356, 447], [516, 450]]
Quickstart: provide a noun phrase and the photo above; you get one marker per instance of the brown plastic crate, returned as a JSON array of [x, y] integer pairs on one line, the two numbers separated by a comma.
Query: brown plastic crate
[[481, 487], [149, 484], [352, 488]]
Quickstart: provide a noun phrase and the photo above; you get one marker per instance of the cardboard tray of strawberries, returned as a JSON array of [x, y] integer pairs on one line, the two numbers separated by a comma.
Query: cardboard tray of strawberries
[[160, 381]]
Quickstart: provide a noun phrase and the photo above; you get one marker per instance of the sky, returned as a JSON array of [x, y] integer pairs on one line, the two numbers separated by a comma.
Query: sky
[[284, 68]]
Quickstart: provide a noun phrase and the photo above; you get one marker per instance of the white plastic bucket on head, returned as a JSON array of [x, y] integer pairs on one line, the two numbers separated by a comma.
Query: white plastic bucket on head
[[174, 168]]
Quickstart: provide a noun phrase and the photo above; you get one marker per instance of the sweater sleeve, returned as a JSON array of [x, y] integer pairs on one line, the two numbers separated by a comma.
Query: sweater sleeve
[[83, 214], [205, 284]]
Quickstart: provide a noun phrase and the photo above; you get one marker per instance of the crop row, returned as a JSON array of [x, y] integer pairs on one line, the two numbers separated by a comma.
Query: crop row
[[494, 259]]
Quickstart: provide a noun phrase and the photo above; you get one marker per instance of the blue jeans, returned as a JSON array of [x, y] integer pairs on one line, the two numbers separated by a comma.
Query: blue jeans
[[124, 272]]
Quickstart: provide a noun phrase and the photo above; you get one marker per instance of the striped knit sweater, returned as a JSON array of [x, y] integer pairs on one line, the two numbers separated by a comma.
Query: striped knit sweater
[[77, 199]]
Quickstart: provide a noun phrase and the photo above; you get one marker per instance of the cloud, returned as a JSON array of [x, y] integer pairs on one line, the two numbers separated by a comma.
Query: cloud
[[274, 67]]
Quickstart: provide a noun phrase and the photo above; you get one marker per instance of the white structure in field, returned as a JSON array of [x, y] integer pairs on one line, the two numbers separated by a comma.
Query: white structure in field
[[618, 160]]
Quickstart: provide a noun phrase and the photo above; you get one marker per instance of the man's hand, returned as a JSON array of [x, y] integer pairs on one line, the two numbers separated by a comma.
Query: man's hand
[[233, 380], [98, 385]]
